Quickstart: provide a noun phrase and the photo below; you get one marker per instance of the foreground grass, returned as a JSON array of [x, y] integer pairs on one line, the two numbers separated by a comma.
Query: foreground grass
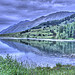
[[8, 66]]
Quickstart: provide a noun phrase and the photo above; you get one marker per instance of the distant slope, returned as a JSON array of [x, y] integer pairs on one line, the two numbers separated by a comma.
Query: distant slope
[[22, 26], [11, 28]]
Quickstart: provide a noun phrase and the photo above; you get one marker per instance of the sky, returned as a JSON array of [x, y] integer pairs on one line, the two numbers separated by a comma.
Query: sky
[[14, 11]]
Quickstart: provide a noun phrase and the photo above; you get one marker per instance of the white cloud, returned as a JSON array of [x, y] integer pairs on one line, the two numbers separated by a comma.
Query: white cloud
[[58, 5]]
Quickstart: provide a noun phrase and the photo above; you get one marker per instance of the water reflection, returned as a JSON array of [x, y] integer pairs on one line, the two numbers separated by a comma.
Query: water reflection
[[44, 52]]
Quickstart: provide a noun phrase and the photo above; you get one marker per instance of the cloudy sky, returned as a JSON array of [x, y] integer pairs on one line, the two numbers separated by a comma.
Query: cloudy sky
[[14, 11]]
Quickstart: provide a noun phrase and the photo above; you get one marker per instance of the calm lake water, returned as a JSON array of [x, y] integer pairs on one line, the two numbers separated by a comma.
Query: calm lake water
[[39, 53]]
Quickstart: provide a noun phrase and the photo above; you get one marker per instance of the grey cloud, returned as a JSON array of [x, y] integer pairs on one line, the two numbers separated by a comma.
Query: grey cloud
[[6, 21], [32, 5], [65, 1], [7, 2], [26, 6]]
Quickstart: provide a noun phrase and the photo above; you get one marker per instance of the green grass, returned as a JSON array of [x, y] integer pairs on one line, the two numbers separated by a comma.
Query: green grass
[[71, 39], [8, 66]]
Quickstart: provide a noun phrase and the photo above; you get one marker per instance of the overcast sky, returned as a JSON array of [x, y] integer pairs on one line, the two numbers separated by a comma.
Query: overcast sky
[[14, 11]]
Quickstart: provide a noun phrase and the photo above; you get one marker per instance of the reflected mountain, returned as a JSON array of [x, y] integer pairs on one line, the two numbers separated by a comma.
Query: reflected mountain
[[21, 47], [48, 48]]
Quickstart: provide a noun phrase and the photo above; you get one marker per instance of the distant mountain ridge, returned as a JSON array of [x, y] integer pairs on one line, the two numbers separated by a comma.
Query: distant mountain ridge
[[25, 25], [13, 26]]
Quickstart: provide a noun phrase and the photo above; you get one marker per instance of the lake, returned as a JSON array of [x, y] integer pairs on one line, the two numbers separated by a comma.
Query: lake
[[39, 52]]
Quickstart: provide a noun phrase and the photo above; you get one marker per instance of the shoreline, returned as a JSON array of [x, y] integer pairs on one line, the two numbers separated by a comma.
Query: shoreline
[[62, 40]]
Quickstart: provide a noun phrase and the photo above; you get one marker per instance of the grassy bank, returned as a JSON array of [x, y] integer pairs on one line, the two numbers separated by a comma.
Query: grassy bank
[[8, 66]]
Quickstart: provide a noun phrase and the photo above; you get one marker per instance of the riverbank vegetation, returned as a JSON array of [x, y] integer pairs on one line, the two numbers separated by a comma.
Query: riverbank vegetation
[[8, 66]]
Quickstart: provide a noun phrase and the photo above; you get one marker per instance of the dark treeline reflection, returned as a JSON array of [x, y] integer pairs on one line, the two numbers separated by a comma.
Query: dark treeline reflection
[[48, 47], [52, 46]]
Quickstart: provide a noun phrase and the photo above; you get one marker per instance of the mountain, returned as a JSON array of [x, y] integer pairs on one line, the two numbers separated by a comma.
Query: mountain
[[55, 29], [11, 28], [23, 25]]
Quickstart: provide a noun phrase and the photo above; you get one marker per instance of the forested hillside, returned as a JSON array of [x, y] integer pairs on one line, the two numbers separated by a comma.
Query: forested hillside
[[56, 29], [25, 25], [63, 31]]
